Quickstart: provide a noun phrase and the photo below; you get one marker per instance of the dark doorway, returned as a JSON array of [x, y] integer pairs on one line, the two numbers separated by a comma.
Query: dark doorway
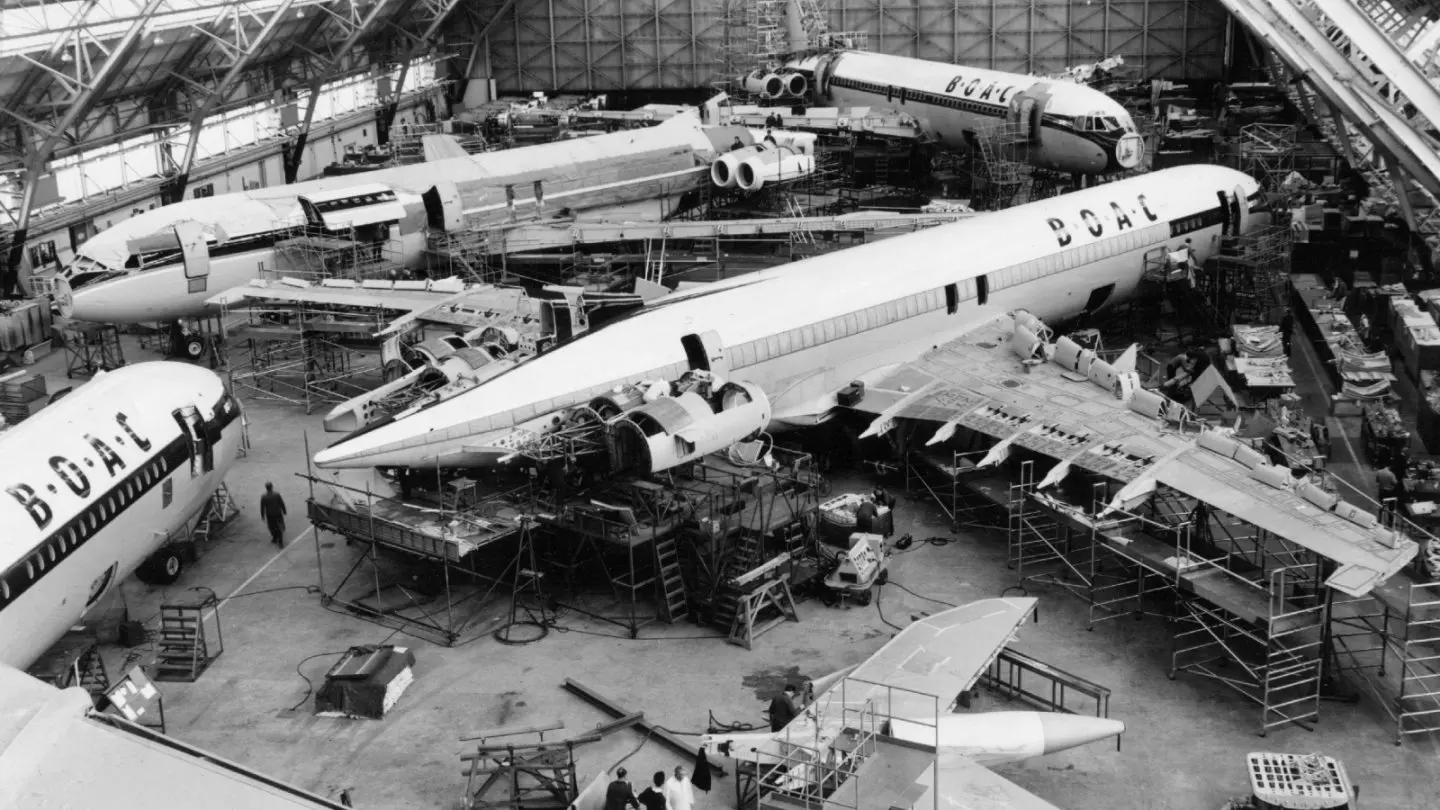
[[982, 290]]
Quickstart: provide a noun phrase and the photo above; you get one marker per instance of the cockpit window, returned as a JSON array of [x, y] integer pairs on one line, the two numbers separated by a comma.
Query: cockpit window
[[85, 270], [1097, 122]]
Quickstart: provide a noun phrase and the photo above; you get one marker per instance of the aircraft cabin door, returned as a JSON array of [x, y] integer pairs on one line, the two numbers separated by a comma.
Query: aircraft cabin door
[[1023, 112], [1239, 209], [705, 353], [202, 453], [195, 252], [443, 211]]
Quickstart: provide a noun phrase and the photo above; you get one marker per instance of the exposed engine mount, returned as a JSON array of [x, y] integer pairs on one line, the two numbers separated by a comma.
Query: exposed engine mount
[[671, 430]]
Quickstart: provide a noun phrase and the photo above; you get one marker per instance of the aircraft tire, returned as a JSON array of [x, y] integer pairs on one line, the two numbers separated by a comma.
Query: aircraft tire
[[865, 597], [163, 567], [193, 348]]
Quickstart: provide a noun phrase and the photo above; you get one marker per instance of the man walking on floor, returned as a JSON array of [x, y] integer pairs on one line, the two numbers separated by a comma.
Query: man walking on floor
[[619, 794], [272, 511], [678, 793], [653, 797]]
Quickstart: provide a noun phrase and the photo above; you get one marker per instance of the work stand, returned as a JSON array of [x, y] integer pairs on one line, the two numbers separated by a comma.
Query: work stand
[[536, 775], [190, 640], [91, 348], [74, 660], [750, 621]]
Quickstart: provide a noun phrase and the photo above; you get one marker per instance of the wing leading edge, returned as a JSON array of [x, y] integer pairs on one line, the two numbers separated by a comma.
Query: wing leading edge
[[1004, 380]]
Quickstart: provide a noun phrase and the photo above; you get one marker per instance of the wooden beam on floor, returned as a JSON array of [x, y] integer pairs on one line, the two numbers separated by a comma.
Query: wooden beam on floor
[[614, 709]]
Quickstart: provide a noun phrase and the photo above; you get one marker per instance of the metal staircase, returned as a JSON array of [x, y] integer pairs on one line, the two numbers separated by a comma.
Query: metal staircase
[[674, 600], [184, 646]]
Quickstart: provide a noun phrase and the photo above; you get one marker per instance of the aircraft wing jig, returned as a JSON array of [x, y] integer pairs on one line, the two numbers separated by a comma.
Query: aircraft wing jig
[[1005, 379]]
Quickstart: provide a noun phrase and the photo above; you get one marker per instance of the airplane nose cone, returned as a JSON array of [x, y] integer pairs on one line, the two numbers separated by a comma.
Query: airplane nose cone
[[64, 297], [1063, 731], [1129, 150]]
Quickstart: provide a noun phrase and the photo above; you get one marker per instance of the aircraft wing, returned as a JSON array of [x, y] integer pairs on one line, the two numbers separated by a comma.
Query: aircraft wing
[[379, 299], [439, 147], [920, 672], [56, 751], [978, 381], [967, 785]]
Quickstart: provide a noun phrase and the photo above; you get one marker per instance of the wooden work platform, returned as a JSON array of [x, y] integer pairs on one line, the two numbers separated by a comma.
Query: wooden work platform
[[423, 531]]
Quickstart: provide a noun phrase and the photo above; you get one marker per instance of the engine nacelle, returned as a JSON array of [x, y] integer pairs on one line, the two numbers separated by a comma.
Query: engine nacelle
[[795, 85], [782, 163], [803, 142], [613, 403], [725, 170], [764, 84], [436, 378], [672, 431], [356, 413]]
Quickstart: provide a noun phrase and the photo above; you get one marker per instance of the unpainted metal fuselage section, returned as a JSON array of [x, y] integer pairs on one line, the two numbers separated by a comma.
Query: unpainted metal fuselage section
[[1060, 125], [163, 264], [804, 331], [95, 483]]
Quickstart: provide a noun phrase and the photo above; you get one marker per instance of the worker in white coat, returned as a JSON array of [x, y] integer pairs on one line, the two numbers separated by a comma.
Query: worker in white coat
[[678, 793]]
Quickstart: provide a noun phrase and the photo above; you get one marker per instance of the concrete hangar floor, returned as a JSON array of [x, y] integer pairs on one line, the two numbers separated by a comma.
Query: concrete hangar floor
[[1184, 748]]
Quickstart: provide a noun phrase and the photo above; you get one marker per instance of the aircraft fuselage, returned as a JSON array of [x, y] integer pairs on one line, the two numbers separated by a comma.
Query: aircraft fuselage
[[94, 484], [803, 331]]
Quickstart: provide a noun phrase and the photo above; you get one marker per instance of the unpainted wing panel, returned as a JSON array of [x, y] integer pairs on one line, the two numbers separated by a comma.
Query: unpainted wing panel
[[919, 672], [980, 381], [967, 785]]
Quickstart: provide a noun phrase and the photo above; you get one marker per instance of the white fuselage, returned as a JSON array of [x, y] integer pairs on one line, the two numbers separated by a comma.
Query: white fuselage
[[803, 331], [94, 484], [1063, 126], [132, 273]]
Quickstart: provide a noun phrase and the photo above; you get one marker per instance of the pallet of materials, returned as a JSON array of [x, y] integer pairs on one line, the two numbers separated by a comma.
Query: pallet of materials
[[21, 394], [23, 324]]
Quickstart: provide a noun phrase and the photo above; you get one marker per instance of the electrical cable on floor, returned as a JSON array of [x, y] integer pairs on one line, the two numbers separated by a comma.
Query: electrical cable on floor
[[306, 588], [878, 589], [309, 684], [648, 734], [921, 595], [735, 727]]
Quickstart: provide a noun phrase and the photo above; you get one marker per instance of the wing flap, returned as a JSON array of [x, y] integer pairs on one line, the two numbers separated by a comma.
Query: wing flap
[[971, 786], [978, 381]]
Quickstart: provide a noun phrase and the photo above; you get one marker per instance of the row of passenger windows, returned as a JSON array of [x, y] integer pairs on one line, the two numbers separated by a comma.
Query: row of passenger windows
[[84, 527], [1204, 219], [891, 91], [1124, 242]]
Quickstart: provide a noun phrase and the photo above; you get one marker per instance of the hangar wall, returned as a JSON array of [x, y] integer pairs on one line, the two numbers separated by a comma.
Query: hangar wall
[[599, 45]]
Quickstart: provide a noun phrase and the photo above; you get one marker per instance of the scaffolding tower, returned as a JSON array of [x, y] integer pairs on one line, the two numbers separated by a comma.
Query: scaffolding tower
[[407, 141], [998, 166], [317, 254], [464, 254], [1267, 152], [1388, 644], [303, 357], [1248, 280]]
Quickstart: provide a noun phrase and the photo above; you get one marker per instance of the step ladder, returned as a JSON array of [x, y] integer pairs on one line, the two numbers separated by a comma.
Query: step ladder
[[184, 647], [92, 676], [674, 601], [222, 510]]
